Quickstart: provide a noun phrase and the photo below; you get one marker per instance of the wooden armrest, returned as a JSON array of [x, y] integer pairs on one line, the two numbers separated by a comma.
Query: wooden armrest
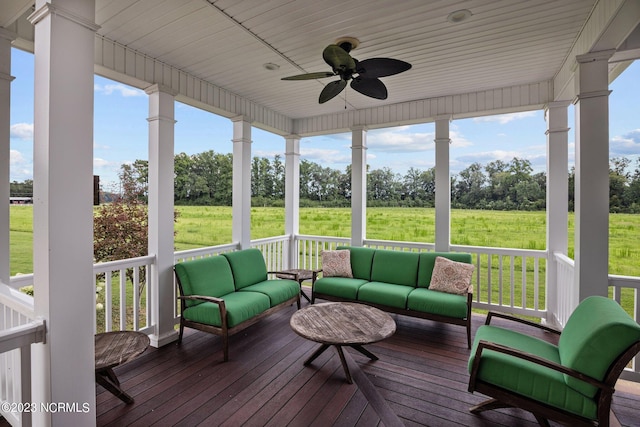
[[215, 300], [482, 345], [519, 320]]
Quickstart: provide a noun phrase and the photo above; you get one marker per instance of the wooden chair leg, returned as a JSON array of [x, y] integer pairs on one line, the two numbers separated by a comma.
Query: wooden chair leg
[[225, 347], [488, 405], [181, 332]]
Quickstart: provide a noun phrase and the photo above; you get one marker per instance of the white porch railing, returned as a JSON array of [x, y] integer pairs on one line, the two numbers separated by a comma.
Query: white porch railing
[[19, 328], [507, 280]]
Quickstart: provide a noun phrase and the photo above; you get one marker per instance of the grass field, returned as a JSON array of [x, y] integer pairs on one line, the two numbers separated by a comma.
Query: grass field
[[199, 226]]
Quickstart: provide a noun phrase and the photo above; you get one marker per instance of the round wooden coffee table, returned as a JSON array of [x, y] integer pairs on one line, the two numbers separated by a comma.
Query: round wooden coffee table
[[342, 324], [113, 349]]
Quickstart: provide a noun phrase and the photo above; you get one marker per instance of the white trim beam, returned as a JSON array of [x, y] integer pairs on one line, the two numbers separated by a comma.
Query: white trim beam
[[488, 102]]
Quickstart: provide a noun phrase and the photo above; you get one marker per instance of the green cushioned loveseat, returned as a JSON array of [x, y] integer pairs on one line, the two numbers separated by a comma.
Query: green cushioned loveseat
[[571, 382], [398, 282], [224, 294]]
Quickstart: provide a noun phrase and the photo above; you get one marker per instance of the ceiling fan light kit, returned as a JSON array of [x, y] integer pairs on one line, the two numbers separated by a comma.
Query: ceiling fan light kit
[[364, 75]]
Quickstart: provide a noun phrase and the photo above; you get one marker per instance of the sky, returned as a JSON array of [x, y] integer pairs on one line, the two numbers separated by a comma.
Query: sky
[[120, 132]]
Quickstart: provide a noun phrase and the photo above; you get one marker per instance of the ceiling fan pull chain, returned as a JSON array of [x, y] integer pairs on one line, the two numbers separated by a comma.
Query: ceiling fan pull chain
[[345, 99]]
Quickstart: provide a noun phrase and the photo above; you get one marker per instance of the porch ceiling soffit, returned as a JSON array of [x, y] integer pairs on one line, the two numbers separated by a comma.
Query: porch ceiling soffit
[[131, 67], [610, 24], [12, 10]]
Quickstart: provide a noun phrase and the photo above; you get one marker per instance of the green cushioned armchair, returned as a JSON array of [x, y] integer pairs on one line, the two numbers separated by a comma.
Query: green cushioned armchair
[[571, 382]]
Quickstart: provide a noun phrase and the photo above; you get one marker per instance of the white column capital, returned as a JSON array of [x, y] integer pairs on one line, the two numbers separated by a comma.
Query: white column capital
[[603, 55], [241, 118], [160, 88], [49, 9], [359, 128]]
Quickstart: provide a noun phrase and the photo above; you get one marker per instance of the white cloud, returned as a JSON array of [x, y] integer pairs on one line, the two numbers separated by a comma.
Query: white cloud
[[21, 131], [391, 141], [506, 118], [123, 90], [324, 156], [626, 144], [99, 163], [21, 168]]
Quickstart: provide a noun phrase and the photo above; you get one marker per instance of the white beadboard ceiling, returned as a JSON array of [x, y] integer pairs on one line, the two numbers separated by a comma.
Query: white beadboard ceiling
[[227, 42], [505, 43]]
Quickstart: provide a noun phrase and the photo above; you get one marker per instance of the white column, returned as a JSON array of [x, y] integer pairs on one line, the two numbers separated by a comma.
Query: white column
[[63, 208], [556, 115], [292, 196], [358, 185], [241, 199], [161, 221], [592, 174], [5, 148], [443, 185]]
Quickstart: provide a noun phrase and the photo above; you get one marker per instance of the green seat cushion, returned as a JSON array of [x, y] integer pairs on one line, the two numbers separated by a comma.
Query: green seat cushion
[[596, 334], [341, 287], [428, 261], [248, 267], [527, 378], [209, 276], [388, 294], [441, 303], [240, 306], [277, 290], [395, 267], [361, 260]]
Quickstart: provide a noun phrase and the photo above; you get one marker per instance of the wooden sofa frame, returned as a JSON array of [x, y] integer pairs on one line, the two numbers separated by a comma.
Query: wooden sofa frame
[[502, 398], [412, 313]]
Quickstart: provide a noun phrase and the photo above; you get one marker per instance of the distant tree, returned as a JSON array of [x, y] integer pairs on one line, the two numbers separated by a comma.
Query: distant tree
[[120, 228]]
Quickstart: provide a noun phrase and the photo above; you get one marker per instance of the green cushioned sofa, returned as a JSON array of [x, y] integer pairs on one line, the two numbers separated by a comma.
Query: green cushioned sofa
[[398, 282], [571, 382], [225, 294]]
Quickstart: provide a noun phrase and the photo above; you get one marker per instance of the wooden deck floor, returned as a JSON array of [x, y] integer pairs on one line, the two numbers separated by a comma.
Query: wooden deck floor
[[420, 379]]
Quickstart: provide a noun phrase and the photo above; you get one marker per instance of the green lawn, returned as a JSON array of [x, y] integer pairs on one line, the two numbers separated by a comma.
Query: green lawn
[[199, 226]]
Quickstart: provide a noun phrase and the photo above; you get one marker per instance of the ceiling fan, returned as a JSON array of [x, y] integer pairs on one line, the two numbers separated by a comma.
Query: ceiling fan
[[364, 75]]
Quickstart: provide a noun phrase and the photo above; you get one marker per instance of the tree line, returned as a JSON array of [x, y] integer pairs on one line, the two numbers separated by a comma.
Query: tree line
[[206, 179]]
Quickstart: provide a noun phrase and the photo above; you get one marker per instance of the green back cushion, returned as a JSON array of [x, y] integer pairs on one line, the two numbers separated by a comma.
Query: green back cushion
[[396, 267], [361, 259], [209, 276], [248, 267], [596, 334], [428, 260]]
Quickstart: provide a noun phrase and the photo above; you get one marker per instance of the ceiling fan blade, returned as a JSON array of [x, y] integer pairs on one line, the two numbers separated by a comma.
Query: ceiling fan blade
[[338, 58], [331, 90], [381, 67], [310, 76], [373, 88]]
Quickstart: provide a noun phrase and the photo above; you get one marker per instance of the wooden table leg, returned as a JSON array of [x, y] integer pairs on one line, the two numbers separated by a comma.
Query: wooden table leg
[[344, 364], [317, 353], [364, 351], [107, 379]]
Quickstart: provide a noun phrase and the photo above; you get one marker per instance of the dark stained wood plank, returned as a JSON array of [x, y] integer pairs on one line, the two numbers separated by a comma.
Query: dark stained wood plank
[[421, 375]]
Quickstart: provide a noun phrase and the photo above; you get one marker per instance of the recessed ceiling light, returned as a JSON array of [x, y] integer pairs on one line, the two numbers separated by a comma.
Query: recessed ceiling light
[[458, 16], [271, 66]]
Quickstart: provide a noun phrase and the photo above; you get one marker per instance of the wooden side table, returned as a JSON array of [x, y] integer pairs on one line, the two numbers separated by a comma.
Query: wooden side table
[[113, 349], [342, 324], [299, 275]]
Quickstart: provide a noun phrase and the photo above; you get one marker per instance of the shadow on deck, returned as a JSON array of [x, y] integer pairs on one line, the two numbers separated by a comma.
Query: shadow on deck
[[420, 380]]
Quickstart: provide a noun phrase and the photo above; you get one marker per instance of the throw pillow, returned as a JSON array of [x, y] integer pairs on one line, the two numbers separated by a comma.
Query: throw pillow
[[451, 276], [336, 263]]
